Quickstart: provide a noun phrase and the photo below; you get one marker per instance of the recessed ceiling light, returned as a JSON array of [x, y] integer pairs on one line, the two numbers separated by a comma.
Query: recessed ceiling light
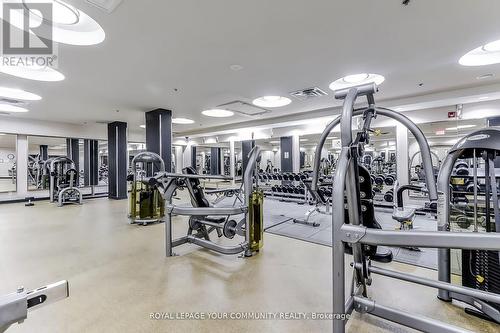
[[356, 80], [236, 68], [36, 73], [18, 94], [304, 140], [274, 142], [12, 108], [487, 54], [272, 101], [492, 47], [182, 121], [68, 24], [217, 113], [142, 126], [482, 98]]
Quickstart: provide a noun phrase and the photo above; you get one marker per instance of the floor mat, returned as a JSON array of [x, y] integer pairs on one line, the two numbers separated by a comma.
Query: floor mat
[[323, 233]]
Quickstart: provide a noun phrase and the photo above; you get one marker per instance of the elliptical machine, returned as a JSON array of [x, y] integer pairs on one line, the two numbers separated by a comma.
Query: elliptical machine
[[63, 178]]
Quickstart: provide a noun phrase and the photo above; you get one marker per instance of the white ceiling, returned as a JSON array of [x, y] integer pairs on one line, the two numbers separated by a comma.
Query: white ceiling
[[153, 47]]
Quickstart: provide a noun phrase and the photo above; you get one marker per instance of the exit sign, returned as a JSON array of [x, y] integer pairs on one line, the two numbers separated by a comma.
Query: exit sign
[[452, 114]]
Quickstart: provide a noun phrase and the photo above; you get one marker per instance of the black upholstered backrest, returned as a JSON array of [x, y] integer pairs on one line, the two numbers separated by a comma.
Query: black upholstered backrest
[[198, 198]]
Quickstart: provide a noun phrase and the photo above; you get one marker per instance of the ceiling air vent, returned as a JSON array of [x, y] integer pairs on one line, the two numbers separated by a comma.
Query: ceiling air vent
[[243, 108], [106, 5], [308, 93]]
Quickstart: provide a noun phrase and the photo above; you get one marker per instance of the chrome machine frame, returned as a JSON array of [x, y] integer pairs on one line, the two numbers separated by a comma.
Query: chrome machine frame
[[168, 184], [355, 234], [14, 307], [61, 192]]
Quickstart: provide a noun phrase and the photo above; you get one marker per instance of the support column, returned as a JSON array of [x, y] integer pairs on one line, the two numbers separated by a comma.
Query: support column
[[295, 153], [22, 166], [44, 152], [203, 164], [159, 135], [286, 148], [73, 151], [215, 161], [91, 162], [188, 154], [402, 157], [246, 147], [178, 159], [232, 166], [117, 160]]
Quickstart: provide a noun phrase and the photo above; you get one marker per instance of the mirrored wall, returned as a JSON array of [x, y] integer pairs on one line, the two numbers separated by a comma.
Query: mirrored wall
[[103, 163], [8, 160], [40, 149]]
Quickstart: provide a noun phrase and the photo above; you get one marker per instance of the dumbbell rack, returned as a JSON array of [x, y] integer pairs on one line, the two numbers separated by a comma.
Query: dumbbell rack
[[385, 194], [284, 186]]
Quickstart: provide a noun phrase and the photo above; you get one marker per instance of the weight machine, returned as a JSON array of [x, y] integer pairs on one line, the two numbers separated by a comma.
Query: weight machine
[[348, 230], [480, 269], [146, 203], [204, 218], [62, 182]]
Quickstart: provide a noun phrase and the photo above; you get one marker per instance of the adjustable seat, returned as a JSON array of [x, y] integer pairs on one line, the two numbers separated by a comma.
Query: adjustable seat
[[403, 215]]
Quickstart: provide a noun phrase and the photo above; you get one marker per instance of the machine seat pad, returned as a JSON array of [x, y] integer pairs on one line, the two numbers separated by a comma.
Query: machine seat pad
[[404, 214], [383, 255], [215, 219]]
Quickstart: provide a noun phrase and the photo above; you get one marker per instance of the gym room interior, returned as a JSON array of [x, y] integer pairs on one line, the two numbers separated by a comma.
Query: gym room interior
[[249, 166]]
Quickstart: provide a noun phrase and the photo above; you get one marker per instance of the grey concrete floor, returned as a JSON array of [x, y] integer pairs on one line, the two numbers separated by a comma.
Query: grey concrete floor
[[118, 275]]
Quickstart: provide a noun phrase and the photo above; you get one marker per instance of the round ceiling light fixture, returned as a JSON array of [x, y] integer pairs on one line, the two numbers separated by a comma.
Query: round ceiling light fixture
[[18, 94], [356, 80], [62, 13], [11, 108], [217, 113], [271, 101], [182, 121], [142, 126], [487, 54], [67, 25], [37, 73]]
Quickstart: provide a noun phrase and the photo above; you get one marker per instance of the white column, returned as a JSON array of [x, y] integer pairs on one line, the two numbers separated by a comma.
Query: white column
[[221, 160], [295, 153], [22, 166], [202, 166], [179, 163], [186, 156], [402, 157], [232, 158]]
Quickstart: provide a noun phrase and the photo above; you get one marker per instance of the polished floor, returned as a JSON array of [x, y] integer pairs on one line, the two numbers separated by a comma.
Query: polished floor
[[118, 276]]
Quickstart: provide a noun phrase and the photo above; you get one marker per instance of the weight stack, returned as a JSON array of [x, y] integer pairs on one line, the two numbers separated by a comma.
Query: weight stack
[[485, 264]]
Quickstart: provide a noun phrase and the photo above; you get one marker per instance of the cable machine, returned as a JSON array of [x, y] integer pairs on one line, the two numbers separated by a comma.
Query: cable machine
[[348, 229]]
